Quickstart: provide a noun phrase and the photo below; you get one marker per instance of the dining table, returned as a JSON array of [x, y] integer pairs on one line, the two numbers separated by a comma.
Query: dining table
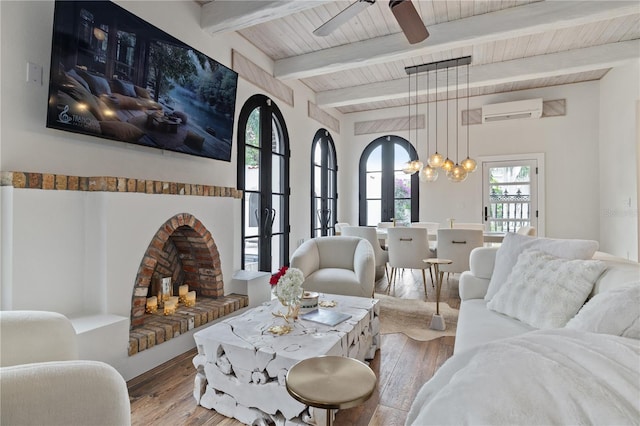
[[490, 238]]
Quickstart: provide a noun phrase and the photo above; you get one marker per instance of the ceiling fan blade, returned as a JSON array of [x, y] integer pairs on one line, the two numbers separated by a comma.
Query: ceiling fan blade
[[347, 13], [409, 20]]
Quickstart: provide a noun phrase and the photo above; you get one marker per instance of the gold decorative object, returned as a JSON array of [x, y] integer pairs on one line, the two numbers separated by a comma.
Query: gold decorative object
[[328, 303], [292, 313], [280, 329]]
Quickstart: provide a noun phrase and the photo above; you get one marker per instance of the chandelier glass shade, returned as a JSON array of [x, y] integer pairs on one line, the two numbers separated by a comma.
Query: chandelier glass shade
[[469, 164], [428, 174]]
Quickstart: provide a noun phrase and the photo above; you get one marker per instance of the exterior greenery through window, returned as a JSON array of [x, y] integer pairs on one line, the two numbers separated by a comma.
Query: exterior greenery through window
[[324, 193], [387, 193]]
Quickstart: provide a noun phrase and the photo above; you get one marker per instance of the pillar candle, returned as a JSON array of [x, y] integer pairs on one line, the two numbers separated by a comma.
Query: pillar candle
[[152, 304], [170, 307], [190, 299], [183, 290]]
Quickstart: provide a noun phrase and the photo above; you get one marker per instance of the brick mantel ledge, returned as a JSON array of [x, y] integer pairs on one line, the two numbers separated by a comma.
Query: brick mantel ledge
[[30, 180]]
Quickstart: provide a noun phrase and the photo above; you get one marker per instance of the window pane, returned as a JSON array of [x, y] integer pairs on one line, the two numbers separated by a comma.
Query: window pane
[[276, 251], [374, 208], [510, 174], [252, 213], [402, 211], [277, 203], [401, 156], [252, 131], [374, 162], [317, 154], [276, 138], [251, 254], [252, 169], [402, 185], [277, 164], [317, 181], [374, 185]]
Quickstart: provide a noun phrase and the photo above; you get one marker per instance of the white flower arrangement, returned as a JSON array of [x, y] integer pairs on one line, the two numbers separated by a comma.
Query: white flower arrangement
[[288, 285]]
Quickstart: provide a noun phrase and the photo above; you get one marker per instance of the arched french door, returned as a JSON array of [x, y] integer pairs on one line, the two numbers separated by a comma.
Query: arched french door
[[386, 192], [324, 192], [263, 175]]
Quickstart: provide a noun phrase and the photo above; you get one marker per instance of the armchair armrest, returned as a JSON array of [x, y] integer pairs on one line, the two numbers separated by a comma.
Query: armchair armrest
[[364, 265], [306, 258]]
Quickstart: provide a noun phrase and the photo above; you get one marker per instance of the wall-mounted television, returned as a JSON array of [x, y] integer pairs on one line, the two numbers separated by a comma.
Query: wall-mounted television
[[115, 76]]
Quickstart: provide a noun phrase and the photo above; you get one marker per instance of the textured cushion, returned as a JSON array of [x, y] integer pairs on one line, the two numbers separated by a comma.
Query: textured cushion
[[546, 291], [98, 85], [142, 92], [78, 92], [615, 312], [121, 131], [124, 87], [514, 244]]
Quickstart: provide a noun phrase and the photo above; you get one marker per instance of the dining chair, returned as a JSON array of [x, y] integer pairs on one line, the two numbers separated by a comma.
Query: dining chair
[[408, 248], [370, 234], [456, 245], [527, 230], [432, 227], [338, 227]]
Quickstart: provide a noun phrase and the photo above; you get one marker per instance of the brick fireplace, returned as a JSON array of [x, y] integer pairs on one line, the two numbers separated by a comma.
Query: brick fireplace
[[184, 250], [100, 235]]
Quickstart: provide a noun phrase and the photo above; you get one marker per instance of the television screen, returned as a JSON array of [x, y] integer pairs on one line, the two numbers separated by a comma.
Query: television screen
[[116, 76]]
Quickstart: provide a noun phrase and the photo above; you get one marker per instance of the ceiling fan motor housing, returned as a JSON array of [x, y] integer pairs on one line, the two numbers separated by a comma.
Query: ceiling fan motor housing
[[409, 20]]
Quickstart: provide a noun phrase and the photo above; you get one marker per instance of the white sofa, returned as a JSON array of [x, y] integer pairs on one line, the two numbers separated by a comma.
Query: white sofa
[[43, 383], [337, 264], [506, 371]]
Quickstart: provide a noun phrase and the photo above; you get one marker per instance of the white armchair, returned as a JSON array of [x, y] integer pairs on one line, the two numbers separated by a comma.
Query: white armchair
[[42, 381], [337, 265]]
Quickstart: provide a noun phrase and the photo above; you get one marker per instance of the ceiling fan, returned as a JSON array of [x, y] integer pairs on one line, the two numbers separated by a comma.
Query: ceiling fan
[[403, 10]]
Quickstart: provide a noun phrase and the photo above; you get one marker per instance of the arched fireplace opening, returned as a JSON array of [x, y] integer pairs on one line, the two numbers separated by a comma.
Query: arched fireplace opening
[[184, 252]]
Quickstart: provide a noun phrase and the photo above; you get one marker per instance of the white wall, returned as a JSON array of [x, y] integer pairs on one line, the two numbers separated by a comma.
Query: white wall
[[89, 245], [618, 153], [27, 145], [566, 142]]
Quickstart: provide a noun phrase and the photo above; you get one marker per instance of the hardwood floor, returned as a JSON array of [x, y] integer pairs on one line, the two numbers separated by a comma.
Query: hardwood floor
[[164, 395]]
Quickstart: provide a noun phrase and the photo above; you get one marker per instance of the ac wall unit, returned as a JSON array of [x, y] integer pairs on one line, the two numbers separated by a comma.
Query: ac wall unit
[[530, 108]]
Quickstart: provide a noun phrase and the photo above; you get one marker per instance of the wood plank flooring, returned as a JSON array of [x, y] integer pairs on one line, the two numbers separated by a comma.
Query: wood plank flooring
[[164, 395]]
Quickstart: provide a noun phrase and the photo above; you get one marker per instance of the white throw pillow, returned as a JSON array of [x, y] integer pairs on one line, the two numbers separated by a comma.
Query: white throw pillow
[[616, 312], [514, 244], [546, 291]]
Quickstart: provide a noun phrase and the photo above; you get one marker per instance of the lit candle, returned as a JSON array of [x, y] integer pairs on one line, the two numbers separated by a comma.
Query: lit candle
[[182, 292], [173, 299], [170, 307], [152, 304], [190, 299]]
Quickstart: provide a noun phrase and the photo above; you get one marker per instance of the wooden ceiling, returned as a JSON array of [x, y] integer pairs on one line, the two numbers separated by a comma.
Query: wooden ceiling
[[514, 45]]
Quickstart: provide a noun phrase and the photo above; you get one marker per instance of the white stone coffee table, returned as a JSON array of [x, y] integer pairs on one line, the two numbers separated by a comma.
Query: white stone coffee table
[[241, 366]]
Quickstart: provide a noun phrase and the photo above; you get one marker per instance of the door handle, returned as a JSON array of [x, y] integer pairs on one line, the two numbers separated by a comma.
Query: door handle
[[486, 214]]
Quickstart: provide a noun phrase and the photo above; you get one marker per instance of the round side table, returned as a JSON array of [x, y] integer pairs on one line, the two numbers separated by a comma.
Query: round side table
[[331, 382], [437, 321]]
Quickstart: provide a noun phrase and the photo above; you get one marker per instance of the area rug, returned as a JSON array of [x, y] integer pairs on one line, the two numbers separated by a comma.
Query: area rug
[[412, 317]]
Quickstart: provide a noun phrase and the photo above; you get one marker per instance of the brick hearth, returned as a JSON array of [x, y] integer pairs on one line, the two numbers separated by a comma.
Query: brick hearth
[[159, 328]]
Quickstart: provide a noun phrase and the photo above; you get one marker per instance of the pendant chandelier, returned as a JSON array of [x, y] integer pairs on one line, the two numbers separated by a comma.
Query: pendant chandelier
[[458, 171]]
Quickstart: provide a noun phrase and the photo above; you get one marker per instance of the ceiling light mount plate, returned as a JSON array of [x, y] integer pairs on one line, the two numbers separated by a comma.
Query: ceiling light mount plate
[[438, 65]]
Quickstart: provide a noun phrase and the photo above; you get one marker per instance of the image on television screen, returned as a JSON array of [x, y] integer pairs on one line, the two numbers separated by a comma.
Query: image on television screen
[[115, 76]]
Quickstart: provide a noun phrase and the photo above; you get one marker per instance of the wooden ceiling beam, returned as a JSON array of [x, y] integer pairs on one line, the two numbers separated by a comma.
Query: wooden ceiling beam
[[533, 18], [542, 66], [232, 15]]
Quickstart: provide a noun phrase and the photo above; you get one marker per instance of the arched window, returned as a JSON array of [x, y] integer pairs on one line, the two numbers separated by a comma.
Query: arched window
[[324, 193], [386, 192], [263, 175]]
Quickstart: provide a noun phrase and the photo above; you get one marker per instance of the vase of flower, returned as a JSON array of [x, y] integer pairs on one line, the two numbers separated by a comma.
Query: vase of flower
[[287, 286]]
